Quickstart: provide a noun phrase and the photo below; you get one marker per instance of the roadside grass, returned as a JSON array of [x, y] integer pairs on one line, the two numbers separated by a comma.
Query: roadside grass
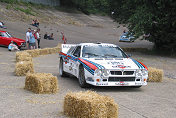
[[26, 7], [25, 10]]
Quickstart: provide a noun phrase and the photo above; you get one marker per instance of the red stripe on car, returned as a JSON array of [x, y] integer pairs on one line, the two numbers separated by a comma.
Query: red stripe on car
[[88, 64], [143, 65]]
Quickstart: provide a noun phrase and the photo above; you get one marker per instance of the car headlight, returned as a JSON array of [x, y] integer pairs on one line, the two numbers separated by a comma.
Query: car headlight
[[138, 72], [98, 72], [105, 72], [144, 72]]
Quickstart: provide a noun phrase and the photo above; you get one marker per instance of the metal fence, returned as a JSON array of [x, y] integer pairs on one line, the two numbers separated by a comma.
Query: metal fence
[[44, 2]]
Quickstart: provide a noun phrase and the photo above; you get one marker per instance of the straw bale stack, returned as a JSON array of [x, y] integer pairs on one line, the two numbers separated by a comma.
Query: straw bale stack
[[41, 83], [89, 105], [155, 75], [24, 67], [44, 51], [59, 45], [23, 56], [33, 53]]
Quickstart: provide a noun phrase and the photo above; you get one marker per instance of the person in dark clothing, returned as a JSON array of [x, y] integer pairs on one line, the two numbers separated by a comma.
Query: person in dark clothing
[[46, 36]]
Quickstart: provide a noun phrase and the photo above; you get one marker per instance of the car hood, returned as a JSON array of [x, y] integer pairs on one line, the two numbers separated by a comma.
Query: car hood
[[115, 63], [17, 39]]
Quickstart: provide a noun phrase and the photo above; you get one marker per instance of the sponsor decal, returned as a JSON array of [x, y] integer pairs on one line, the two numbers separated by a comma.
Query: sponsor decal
[[119, 65], [121, 83]]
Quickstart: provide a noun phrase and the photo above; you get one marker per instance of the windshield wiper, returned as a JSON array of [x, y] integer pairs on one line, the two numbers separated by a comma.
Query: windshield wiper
[[110, 55], [92, 54]]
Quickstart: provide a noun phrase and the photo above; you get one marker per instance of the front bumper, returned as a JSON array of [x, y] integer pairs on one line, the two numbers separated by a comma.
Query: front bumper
[[132, 79], [23, 44], [122, 83]]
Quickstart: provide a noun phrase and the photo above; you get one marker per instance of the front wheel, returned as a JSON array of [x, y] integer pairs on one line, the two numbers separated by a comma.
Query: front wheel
[[81, 78], [61, 71]]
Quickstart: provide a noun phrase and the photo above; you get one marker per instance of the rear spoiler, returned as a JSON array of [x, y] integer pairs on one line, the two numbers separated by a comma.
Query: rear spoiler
[[66, 47]]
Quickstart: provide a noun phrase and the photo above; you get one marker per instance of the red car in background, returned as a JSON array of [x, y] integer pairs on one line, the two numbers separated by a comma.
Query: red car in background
[[6, 38]]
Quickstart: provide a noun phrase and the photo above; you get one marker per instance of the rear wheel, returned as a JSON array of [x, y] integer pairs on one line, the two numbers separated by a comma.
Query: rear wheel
[[81, 78], [61, 71]]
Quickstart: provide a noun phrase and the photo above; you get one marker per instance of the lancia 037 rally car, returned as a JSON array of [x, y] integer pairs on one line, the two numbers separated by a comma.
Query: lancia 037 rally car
[[101, 64]]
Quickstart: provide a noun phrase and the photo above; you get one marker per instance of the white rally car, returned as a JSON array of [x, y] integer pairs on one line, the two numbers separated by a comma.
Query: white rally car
[[101, 64]]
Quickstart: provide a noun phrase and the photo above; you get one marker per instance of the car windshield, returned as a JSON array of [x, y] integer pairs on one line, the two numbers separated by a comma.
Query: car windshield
[[8, 35], [100, 51], [5, 34]]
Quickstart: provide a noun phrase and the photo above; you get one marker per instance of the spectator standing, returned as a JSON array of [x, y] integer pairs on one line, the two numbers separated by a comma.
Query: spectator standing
[[27, 38], [32, 41], [63, 38], [37, 37]]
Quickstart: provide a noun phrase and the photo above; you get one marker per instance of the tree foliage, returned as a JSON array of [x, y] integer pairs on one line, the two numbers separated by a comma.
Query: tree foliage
[[154, 17]]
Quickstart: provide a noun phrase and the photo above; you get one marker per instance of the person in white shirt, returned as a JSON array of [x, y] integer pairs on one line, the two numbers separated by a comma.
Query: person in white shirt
[[28, 37], [12, 47], [38, 37], [2, 25]]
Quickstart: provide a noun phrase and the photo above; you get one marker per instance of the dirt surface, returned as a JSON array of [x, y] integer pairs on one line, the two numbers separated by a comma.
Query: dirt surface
[[156, 100]]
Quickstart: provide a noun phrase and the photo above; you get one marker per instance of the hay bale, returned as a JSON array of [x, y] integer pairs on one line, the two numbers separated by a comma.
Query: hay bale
[[155, 75], [23, 56], [24, 67], [44, 51], [33, 53], [59, 45], [54, 50], [41, 83], [89, 105]]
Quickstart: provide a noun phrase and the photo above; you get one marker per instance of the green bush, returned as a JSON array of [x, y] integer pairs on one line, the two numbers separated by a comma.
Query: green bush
[[27, 10], [9, 1]]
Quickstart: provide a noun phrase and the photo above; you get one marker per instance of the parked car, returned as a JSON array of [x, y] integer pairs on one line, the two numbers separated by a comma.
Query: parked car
[[126, 37], [6, 38], [101, 64]]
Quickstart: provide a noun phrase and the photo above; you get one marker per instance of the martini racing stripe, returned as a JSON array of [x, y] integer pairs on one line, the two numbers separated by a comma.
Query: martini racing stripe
[[138, 64], [143, 65], [88, 64], [97, 65], [88, 68]]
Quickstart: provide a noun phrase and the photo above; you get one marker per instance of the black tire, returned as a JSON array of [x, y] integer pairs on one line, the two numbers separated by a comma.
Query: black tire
[[61, 71], [81, 78], [136, 86]]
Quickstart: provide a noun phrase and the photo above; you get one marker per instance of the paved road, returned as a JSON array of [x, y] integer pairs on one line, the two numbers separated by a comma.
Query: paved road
[[156, 100]]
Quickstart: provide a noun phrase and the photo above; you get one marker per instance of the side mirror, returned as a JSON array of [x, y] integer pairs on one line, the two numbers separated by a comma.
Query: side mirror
[[129, 55], [76, 55]]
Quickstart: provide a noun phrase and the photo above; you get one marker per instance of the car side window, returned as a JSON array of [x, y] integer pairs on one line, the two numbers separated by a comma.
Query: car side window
[[77, 51], [71, 50], [1, 34]]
